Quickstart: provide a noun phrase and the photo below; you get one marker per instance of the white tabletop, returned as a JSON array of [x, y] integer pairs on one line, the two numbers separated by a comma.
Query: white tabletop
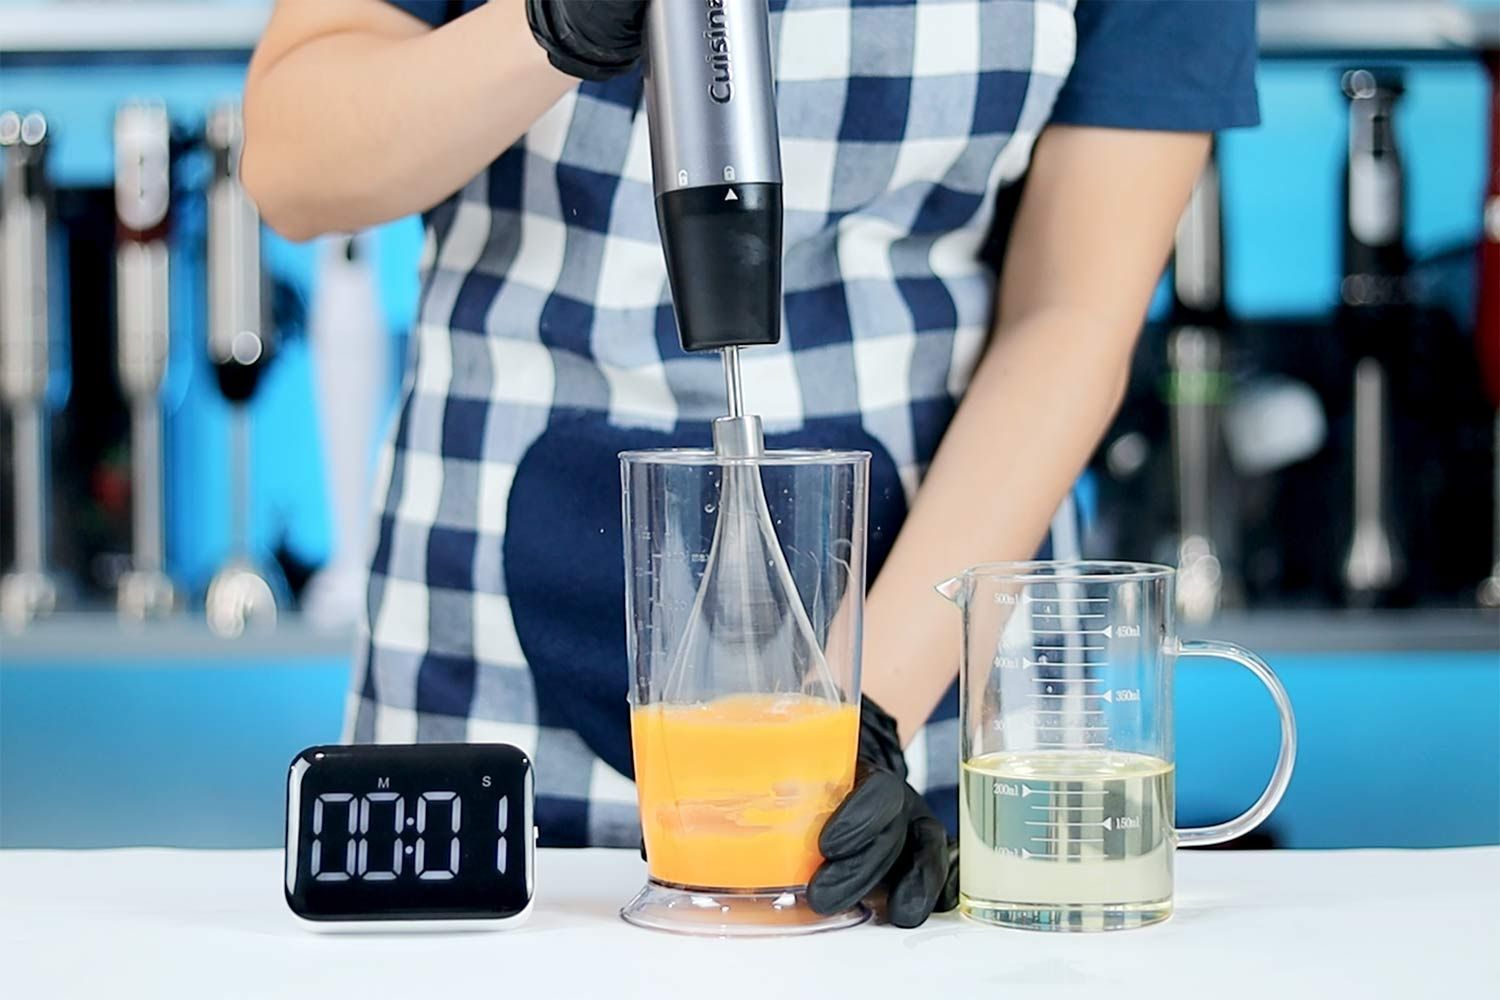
[[194, 924]]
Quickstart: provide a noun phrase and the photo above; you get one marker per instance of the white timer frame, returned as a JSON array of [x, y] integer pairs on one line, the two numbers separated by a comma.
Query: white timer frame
[[289, 853]]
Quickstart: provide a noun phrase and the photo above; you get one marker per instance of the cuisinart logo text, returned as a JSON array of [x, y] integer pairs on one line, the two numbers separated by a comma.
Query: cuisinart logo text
[[720, 89]]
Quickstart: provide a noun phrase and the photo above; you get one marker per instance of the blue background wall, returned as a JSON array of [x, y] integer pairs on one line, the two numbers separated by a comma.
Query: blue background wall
[[1397, 749]]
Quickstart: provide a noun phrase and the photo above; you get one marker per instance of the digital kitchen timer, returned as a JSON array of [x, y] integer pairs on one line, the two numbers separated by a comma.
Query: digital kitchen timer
[[410, 837]]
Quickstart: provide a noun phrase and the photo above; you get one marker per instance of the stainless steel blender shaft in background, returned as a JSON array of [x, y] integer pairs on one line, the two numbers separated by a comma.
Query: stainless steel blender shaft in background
[[1373, 562], [27, 590], [1195, 353], [142, 198], [238, 333]]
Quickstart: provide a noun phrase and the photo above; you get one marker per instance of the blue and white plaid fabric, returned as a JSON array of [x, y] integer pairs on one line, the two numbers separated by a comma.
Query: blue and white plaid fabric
[[546, 344]]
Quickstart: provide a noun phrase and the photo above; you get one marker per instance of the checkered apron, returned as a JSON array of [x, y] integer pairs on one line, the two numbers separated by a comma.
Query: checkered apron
[[546, 344]]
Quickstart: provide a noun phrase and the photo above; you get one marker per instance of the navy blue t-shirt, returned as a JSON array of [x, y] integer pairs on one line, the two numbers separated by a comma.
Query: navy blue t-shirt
[[1164, 65]]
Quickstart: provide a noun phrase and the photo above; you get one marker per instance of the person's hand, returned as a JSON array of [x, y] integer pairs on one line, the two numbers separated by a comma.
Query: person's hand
[[589, 39], [884, 834]]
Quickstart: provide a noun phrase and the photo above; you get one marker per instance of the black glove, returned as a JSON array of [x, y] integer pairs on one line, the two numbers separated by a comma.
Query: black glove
[[589, 39], [884, 833]]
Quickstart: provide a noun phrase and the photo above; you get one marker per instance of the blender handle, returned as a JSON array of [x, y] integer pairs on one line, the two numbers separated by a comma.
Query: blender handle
[[1202, 836]]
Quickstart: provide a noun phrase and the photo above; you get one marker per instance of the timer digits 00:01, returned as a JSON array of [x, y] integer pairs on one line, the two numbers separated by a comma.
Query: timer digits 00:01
[[426, 836]]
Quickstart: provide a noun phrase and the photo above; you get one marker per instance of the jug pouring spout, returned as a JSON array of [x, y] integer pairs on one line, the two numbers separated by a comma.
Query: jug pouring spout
[[957, 589]]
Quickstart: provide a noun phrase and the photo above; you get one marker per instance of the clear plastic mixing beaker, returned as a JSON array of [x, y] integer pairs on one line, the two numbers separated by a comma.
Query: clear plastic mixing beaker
[[744, 591], [1066, 797]]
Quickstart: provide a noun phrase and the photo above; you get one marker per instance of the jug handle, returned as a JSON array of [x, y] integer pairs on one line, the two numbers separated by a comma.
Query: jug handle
[[1202, 836]]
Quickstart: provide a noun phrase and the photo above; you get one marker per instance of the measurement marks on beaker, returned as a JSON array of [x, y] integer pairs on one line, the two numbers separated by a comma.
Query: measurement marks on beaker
[[1019, 789], [1108, 631], [1005, 662], [1060, 820], [1024, 854], [1110, 694], [1108, 823]]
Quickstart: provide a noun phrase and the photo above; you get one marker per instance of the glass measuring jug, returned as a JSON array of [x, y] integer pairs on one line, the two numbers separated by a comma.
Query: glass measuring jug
[[744, 591], [1066, 797]]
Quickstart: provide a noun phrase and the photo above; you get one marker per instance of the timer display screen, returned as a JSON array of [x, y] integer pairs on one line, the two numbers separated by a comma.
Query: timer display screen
[[437, 831]]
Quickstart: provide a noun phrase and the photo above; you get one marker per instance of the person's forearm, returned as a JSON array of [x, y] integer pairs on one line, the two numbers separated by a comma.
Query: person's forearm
[[352, 128], [1041, 398], [1087, 247]]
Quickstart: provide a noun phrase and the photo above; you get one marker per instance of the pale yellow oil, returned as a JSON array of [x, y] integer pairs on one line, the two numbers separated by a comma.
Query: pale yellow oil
[[1066, 840]]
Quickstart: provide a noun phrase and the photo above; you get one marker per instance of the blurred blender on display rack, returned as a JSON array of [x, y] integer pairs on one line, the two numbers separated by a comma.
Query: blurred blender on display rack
[[143, 192], [27, 589], [1196, 390], [241, 345], [351, 364], [1375, 312]]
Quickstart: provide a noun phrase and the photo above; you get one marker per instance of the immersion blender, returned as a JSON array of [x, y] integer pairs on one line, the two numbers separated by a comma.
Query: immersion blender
[[1195, 350], [1373, 298], [142, 198], [240, 345], [716, 170], [27, 590]]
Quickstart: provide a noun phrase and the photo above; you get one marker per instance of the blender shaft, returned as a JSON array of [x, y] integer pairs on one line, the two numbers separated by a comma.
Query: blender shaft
[[733, 388], [1373, 562], [149, 555], [239, 481], [29, 443], [142, 360]]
